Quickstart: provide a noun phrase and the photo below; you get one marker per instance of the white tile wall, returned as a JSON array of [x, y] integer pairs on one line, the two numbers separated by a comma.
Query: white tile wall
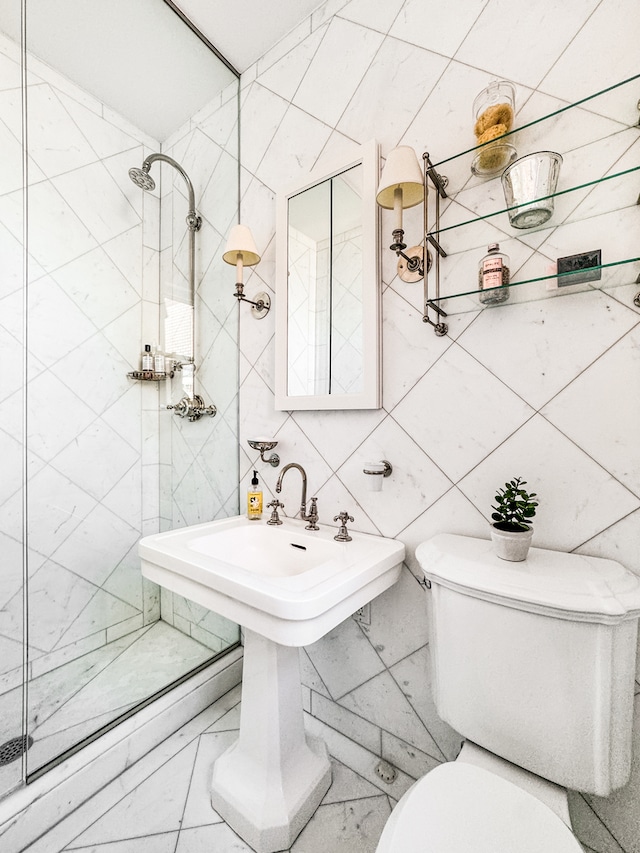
[[541, 390]]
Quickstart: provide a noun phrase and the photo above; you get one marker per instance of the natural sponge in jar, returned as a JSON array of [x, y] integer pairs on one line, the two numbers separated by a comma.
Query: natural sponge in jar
[[493, 115]]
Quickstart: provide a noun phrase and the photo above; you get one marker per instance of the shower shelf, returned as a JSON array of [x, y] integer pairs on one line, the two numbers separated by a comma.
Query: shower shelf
[[147, 376]]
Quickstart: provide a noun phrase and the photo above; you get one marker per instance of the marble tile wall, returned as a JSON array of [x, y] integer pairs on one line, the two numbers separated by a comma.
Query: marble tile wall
[[540, 390], [199, 460]]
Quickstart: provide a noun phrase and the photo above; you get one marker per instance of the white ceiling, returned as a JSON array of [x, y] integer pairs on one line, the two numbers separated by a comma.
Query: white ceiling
[[138, 58], [245, 29]]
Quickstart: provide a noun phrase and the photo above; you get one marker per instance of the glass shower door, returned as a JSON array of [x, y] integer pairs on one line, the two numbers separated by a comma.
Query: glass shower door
[[99, 643], [12, 738]]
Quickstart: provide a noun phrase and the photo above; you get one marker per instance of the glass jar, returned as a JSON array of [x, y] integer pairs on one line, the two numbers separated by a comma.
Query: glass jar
[[493, 276], [494, 105], [493, 112]]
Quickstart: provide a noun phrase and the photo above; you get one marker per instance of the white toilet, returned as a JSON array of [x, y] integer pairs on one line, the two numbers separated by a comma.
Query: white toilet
[[534, 664]]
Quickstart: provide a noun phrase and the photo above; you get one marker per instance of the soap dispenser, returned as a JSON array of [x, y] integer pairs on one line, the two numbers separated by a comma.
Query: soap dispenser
[[254, 499]]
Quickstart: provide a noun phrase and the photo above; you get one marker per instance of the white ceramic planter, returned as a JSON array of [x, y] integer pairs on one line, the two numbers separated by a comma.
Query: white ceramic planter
[[512, 545]]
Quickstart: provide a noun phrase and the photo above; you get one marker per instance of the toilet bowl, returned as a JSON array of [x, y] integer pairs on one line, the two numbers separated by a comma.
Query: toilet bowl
[[480, 804], [461, 808]]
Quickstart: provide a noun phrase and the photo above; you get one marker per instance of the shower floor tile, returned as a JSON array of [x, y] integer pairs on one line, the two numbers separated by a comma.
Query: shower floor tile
[[76, 699], [161, 804]]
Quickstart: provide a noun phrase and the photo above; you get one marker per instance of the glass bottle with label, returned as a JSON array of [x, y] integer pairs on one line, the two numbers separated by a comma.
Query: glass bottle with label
[[493, 272], [146, 362]]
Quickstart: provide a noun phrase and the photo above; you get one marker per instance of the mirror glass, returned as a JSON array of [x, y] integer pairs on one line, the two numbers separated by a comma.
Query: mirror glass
[[325, 287], [327, 321]]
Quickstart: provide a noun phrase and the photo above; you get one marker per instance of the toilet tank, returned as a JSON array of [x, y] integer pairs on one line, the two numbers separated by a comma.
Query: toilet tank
[[535, 661]]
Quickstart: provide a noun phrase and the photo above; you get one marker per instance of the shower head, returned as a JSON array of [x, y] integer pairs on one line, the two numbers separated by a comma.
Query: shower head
[[142, 179]]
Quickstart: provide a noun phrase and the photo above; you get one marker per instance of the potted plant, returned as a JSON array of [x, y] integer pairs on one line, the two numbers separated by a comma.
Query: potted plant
[[511, 533]]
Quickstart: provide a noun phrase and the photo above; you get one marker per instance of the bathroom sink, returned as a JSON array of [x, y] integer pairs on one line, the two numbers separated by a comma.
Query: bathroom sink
[[288, 584], [287, 587]]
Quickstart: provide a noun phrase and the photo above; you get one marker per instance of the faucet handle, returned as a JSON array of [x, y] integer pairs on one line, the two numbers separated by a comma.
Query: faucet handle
[[343, 534], [275, 518], [312, 516]]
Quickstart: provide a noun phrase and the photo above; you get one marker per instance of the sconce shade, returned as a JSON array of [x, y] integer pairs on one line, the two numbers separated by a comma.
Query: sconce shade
[[401, 171], [241, 242]]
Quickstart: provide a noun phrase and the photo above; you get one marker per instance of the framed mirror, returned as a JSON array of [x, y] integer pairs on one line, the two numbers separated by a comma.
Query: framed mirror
[[328, 288]]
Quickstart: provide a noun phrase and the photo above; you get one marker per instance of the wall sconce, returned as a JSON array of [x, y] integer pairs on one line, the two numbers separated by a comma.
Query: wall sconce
[[377, 471], [404, 184], [241, 252]]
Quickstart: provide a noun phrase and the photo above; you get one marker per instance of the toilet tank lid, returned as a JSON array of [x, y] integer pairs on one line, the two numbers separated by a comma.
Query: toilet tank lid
[[568, 585]]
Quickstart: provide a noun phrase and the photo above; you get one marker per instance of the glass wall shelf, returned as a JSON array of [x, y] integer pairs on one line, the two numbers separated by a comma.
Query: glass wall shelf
[[557, 194], [621, 109], [614, 274], [595, 205]]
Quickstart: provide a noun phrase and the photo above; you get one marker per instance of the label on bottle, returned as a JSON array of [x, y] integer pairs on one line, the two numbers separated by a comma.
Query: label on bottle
[[491, 272], [254, 505]]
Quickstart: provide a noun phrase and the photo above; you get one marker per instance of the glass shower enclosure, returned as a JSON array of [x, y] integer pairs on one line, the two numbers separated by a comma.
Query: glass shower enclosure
[[91, 458]]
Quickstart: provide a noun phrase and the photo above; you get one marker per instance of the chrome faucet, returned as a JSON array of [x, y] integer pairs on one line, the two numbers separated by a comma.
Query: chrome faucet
[[312, 516]]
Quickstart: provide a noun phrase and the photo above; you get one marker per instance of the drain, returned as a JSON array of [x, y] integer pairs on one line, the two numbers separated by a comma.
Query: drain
[[12, 749]]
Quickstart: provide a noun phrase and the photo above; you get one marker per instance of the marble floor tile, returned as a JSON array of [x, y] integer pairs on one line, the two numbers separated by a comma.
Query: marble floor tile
[[164, 843], [346, 784], [205, 839], [198, 810], [161, 803], [353, 826], [77, 698], [154, 807]]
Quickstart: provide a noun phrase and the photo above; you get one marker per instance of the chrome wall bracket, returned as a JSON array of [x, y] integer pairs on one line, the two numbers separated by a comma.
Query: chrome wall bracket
[[263, 445], [259, 306], [440, 183]]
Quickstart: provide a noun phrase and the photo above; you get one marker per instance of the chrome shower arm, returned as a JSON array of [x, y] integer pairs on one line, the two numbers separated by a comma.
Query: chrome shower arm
[[165, 159]]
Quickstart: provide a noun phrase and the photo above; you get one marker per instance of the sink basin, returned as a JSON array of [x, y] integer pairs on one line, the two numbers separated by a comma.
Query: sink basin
[[284, 582], [287, 587]]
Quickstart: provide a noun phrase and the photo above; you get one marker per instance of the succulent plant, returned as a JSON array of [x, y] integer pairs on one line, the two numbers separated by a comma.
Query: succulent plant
[[515, 507]]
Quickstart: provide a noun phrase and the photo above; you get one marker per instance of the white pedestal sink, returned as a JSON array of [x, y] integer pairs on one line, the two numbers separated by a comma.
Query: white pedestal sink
[[287, 587]]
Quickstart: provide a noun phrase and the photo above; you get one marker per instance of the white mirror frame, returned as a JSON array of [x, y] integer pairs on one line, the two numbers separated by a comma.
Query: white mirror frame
[[371, 396]]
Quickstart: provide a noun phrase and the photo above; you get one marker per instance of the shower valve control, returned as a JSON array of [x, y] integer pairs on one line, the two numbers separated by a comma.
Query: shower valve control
[[193, 408]]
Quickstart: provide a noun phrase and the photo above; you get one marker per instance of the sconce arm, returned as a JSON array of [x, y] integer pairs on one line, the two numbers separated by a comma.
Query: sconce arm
[[259, 307]]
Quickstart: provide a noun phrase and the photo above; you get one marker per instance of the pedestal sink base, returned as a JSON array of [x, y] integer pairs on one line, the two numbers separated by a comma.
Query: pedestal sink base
[[268, 784], [271, 818]]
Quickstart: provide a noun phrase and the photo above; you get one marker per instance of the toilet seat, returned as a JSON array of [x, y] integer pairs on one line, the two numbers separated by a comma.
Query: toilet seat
[[461, 808]]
